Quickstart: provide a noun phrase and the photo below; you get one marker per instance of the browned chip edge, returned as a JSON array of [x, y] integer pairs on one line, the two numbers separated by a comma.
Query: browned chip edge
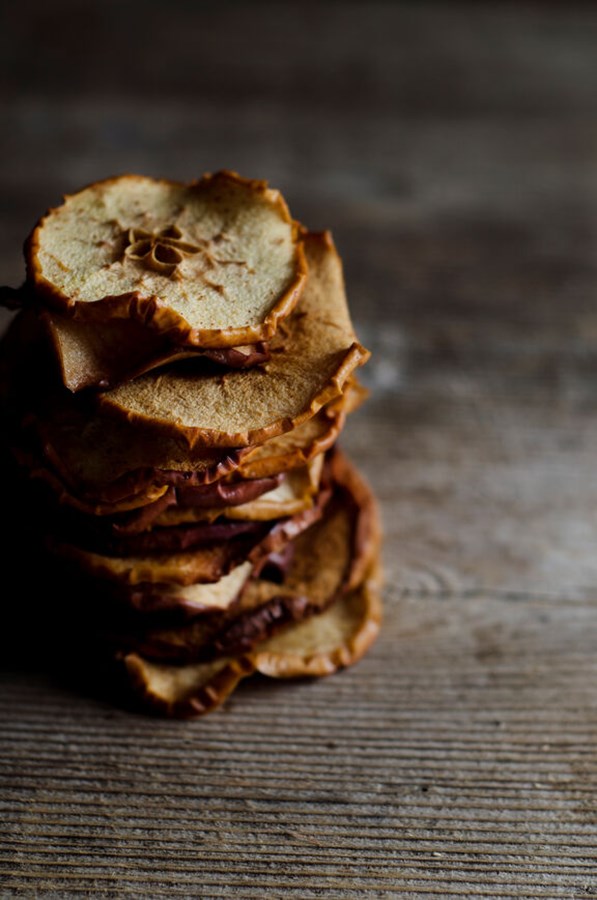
[[207, 698], [280, 665]]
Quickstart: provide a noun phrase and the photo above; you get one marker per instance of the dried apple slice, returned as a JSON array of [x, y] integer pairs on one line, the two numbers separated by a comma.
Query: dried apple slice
[[333, 640], [184, 691], [215, 263], [102, 460], [197, 503], [296, 448], [106, 354], [193, 598], [292, 495], [40, 472]]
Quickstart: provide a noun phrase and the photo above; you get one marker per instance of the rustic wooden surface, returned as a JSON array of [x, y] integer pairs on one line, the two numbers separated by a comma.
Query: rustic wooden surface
[[453, 151]]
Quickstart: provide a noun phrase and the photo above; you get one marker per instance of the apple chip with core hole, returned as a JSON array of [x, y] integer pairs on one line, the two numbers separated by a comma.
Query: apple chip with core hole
[[215, 263]]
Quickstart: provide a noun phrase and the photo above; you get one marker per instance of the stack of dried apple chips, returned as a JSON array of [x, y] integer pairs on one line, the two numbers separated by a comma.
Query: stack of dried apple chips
[[174, 383]]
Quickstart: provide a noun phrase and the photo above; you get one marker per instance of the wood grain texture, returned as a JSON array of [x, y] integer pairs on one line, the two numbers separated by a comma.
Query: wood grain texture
[[451, 149]]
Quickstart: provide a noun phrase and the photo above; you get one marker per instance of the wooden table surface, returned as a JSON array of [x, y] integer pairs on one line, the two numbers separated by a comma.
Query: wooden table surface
[[452, 149]]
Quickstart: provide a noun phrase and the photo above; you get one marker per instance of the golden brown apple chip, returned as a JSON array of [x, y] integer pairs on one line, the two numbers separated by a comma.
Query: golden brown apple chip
[[215, 263]]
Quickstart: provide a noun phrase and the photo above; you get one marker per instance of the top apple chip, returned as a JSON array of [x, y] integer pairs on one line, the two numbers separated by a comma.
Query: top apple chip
[[215, 263]]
